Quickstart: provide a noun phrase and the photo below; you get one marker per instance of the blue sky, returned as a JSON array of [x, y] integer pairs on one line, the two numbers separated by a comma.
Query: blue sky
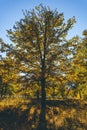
[[11, 11]]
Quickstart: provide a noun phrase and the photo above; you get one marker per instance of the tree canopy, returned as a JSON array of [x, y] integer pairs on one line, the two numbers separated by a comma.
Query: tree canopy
[[40, 57]]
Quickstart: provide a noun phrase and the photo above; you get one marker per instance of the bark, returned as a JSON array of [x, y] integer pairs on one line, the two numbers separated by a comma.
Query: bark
[[42, 121]]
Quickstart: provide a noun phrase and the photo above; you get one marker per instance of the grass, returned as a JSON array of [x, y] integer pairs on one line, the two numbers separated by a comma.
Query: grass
[[23, 114]]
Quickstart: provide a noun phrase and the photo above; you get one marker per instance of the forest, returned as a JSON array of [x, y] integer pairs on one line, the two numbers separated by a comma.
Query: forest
[[43, 74]]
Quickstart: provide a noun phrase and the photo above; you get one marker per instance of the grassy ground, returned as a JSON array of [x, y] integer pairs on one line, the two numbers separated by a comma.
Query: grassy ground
[[22, 114]]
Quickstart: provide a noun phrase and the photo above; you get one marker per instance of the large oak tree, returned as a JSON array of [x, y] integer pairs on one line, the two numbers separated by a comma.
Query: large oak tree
[[39, 49]]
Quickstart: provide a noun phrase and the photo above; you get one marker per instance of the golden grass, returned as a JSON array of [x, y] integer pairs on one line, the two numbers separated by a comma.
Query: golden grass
[[60, 115]]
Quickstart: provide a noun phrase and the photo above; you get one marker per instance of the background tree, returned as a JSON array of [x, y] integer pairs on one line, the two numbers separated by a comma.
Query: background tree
[[80, 65], [39, 49], [8, 73]]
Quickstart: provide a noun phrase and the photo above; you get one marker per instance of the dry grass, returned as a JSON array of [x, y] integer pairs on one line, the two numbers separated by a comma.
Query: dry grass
[[22, 114]]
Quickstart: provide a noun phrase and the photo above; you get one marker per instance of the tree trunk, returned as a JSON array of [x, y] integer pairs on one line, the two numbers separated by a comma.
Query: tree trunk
[[42, 121]]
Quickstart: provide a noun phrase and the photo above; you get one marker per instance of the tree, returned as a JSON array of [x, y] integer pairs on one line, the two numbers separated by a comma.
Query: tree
[[8, 73], [80, 65], [39, 49]]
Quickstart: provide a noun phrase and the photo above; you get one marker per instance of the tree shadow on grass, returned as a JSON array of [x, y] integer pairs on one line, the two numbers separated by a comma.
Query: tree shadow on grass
[[66, 102], [18, 119], [28, 119], [72, 124]]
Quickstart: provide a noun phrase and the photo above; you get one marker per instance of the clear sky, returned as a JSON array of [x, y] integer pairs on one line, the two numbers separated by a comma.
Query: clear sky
[[11, 11]]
